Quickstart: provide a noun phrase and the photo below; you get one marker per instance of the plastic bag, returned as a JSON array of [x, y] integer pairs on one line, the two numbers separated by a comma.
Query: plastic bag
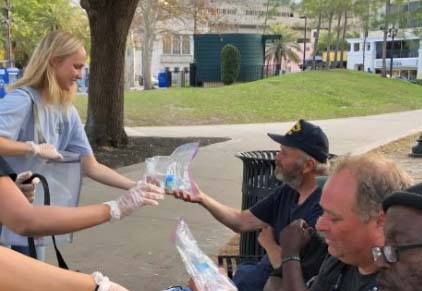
[[176, 288], [199, 266], [173, 172], [64, 179]]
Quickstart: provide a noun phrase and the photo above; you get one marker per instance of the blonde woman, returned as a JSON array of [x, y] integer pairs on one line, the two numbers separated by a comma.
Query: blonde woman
[[50, 77]]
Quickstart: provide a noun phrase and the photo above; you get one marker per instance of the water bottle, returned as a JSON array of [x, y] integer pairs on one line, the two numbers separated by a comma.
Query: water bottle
[[169, 182]]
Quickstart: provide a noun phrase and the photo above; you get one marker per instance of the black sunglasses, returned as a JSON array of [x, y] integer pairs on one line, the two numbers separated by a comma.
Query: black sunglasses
[[391, 253]]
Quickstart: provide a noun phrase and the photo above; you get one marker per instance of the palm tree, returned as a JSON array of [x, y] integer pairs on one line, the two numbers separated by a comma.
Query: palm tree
[[315, 10], [284, 48]]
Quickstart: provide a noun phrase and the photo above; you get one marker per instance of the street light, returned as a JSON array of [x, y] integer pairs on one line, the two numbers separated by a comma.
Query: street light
[[304, 44], [392, 32]]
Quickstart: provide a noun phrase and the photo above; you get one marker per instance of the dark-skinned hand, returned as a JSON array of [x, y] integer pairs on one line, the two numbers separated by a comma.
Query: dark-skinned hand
[[295, 237]]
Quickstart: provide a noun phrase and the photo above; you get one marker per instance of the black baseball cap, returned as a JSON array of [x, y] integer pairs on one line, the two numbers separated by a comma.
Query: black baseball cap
[[411, 197], [307, 137]]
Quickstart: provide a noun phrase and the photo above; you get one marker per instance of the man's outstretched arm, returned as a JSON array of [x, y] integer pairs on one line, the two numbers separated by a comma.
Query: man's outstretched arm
[[235, 219]]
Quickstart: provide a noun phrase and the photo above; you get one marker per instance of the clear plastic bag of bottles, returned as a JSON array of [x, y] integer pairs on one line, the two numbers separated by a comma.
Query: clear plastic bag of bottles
[[173, 172], [200, 267]]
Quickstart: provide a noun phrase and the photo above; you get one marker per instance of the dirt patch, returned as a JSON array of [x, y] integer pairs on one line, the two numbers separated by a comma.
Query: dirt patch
[[140, 148], [399, 151]]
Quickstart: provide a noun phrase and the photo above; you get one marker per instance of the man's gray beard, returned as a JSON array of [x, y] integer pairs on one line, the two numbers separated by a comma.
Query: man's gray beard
[[294, 180]]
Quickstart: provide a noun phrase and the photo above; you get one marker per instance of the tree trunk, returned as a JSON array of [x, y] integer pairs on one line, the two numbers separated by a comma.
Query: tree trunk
[[148, 36], [365, 36], [316, 40], [130, 80], [384, 54], [146, 63], [266, 17], [277, 68], [384, 42], [330, 22], [343, 38], [109, 22], [280, 65], [195, 17], [337, 38]]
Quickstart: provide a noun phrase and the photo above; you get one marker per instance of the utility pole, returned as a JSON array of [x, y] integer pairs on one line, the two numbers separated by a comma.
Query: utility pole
[[8, 22], [195, 17], [364, 48], [392, 32], [304, 43]]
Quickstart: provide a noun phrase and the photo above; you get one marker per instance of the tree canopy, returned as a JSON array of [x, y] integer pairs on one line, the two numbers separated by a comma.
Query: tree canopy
[[33, 19], [285, 48]]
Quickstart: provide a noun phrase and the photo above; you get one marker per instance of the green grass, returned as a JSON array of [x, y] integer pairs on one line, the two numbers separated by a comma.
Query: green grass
[[310, 95]]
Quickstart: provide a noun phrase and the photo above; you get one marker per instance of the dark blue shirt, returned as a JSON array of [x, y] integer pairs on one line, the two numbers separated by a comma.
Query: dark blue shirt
[[335, 275], [280, 208]]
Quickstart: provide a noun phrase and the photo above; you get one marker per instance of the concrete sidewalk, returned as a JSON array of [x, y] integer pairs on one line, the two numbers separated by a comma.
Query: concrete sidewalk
[[137, 252]]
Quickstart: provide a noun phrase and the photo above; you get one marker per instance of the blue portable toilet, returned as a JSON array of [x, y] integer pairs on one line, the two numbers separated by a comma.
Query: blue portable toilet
[[7, 76], [4, 80], [162, 80], [13, 74]]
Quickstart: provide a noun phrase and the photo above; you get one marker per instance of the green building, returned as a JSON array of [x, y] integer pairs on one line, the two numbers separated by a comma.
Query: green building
[[207, 49]]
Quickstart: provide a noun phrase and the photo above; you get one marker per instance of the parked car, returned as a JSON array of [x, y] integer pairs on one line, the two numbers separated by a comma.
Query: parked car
[[154, 81], [319, 63]]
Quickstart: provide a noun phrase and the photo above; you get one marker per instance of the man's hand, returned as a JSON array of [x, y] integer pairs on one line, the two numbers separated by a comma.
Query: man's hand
[[27, 189], [266, 238], [295, 237], [196, 197]]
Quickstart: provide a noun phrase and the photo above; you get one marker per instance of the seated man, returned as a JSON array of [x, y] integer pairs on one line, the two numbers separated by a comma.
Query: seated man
[[400, 259], [302, 157], [352, 224]]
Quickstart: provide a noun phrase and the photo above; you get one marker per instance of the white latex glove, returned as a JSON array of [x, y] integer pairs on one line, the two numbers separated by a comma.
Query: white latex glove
[[27, 189], [104, 283], [45, 151], [140, 195]]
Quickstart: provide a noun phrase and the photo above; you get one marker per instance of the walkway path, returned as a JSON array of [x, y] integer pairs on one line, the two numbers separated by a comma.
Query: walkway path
[[137, 252]]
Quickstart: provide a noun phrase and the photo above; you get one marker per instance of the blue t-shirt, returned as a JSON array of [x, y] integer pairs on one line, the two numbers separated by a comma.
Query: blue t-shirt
[[280, 208], [60, 127]]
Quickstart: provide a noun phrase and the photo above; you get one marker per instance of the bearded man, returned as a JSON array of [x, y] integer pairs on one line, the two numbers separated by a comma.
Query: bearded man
[[302, 157]]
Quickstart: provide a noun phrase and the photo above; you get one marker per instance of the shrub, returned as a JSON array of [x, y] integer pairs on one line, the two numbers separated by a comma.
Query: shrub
[[230, 64]]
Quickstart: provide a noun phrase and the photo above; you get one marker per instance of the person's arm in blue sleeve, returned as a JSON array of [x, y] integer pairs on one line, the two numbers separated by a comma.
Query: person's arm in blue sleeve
[[91, 167], [14, 110]]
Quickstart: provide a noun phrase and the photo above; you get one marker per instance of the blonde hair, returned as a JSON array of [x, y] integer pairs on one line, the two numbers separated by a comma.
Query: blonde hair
[[376, 177], [39, 73]]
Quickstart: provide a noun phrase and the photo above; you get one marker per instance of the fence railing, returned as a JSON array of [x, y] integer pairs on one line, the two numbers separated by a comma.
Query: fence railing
[[197, 78]]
